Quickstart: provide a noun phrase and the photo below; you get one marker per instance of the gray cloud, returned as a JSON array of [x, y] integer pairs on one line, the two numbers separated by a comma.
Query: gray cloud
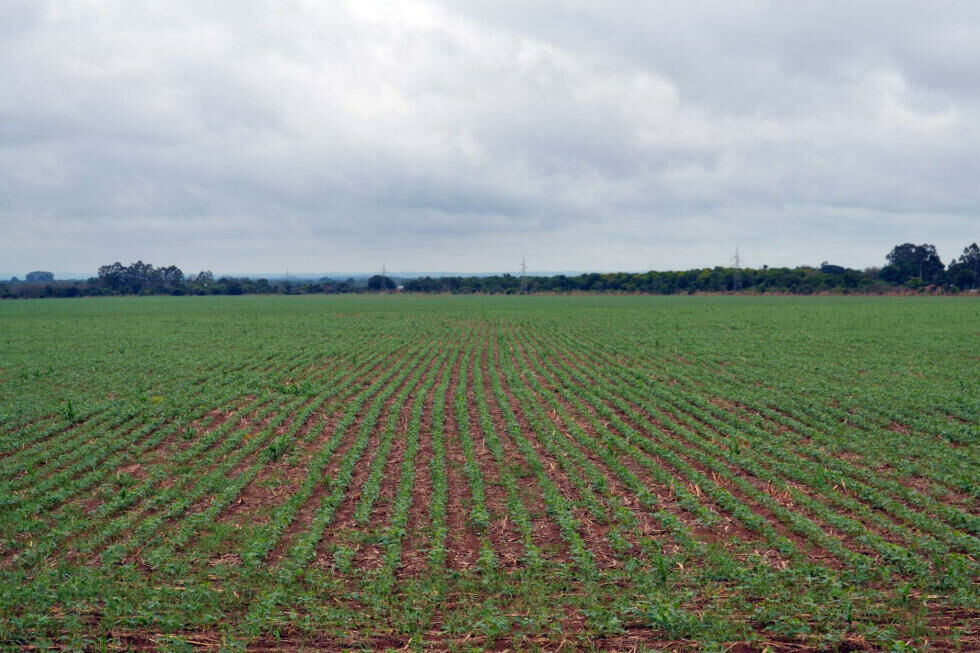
[[251, 136]]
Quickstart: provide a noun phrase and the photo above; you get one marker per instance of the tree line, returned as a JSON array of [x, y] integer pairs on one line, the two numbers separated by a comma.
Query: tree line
[[910, 268]]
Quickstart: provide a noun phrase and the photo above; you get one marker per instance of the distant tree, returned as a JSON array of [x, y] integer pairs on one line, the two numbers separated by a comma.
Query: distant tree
[[112, 276], [138, 277], [964, 278], [39, 275], [14, 280], [914, 283], [964, 272], [378, 282], [231, 285], [909, 261], [171, 275], [971, 258], [140, 270]]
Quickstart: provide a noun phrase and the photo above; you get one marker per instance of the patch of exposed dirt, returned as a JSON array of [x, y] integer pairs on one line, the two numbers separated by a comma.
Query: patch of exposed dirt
[[546, 535], [413, 556], [462, 543], [721, 532], [505, 539], [343, 522], [304, 516]]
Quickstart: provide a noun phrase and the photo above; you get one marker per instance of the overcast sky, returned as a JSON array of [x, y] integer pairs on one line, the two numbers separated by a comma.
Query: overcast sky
[[245, 136]]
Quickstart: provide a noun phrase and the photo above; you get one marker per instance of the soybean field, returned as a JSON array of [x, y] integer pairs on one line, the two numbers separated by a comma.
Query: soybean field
[[490, 472]]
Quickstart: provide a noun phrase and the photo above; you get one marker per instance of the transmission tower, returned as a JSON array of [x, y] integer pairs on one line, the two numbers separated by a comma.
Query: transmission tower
[[523, 276], [738, 270]]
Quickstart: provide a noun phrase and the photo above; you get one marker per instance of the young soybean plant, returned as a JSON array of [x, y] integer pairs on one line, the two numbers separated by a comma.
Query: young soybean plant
[[622, 472]]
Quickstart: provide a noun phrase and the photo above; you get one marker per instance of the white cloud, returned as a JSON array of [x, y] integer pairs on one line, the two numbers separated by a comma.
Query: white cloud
[[246, 136]]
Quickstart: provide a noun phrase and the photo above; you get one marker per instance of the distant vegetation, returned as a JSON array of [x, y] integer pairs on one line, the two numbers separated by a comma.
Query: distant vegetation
[[910, 268]]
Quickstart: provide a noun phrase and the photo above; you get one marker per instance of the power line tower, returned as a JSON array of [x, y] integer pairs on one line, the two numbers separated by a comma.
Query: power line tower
[[738, 270], [523, 276]]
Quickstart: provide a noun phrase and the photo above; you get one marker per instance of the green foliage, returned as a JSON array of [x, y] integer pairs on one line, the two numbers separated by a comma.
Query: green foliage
[[483, 473], [914, 266], [909, 266]]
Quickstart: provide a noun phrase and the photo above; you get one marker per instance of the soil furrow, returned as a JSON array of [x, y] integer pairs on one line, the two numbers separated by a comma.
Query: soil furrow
[[304, 515], [370, 556], [413, 557], [502, 532], [343, 526], [462, 542]]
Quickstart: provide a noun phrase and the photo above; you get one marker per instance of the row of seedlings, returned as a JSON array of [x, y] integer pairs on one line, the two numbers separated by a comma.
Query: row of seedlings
[[592, 483], [814, 474], [561, 397], [99, 454], [922, 455], [874, 507], [561, 508], [346, 386], [398, 525], [595, 485], [611, 446], [262, 612], [207, 450], [690, 432], [517, 512], [68, 524], [479, 515], [613, 409]]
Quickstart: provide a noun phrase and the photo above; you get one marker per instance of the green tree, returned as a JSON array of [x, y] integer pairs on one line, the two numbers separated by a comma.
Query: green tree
[[378, 282], [964, 272], [909, 261]]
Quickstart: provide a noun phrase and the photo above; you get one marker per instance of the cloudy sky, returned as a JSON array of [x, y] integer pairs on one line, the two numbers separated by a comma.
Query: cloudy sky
[[251, 136]]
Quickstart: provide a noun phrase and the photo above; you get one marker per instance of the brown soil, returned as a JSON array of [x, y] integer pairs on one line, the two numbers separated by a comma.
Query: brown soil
[[462, 543], [592, 533], [785, 497], [140, 509], [919, 485], [371, 556], [649, 525], [811, 550], [562, 422], [343, 524], [545, 532], [44, 468], [304, 516], [206, 501], [201, 427], [67, 428], [277, 481], [727, 527], [413, 556], [138, 470], [504, 538]]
